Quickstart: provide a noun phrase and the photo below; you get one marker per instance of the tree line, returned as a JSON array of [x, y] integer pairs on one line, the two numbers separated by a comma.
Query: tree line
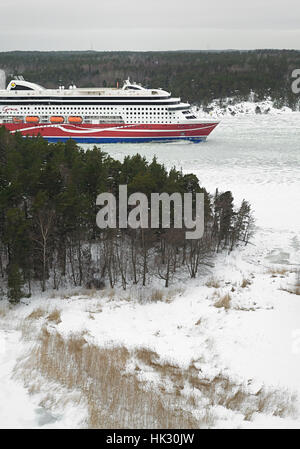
[[48, 231], [196, 76]]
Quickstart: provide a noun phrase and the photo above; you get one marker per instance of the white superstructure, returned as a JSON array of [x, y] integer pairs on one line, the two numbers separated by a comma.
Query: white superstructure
[[131, 103]]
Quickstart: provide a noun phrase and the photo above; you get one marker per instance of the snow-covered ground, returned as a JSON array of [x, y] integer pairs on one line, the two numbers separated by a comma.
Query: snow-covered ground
[[16, 410], [232, 107], [256, 341]]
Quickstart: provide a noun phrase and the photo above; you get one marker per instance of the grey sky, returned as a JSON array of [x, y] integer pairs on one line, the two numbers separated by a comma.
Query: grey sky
[[148, 24]]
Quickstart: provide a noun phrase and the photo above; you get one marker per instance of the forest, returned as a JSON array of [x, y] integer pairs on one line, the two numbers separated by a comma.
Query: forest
[[48, 232], [195, 76]]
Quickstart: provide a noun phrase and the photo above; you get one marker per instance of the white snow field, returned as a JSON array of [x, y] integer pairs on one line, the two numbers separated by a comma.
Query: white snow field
[[254, 343]]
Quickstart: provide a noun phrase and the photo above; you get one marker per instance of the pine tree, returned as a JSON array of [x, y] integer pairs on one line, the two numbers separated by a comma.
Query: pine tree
[[14, 284]]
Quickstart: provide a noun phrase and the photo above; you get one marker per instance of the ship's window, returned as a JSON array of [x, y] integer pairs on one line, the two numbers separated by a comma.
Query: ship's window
[[132, 88], [18, 87]]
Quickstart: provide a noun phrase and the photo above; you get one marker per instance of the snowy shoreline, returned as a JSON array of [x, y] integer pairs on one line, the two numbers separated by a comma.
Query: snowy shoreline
[[232, 107], [250, 342]]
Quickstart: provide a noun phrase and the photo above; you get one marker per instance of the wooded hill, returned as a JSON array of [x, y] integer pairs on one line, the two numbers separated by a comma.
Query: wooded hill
[[48, 231], [196, 76]]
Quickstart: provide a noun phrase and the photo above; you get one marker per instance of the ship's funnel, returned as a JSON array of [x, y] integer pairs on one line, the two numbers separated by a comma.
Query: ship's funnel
[[2, 79]]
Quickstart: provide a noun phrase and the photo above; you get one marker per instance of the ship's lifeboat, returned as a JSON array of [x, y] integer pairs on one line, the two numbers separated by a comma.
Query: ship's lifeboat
[[75, 120], [57, 119], [32, 119], [17, 120]]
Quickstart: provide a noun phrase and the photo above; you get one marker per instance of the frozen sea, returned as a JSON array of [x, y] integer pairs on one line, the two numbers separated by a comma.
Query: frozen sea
[[257, 157]]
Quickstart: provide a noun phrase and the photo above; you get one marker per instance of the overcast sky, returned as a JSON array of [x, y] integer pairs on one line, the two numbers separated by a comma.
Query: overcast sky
[[148, 24]]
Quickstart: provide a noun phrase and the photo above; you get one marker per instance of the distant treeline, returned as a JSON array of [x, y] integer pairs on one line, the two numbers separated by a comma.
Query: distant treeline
[[48, 231], [196, 76]]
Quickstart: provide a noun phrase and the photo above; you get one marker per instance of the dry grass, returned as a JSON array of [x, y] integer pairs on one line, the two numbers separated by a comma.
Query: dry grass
[[36, 314], [220, 390], [111, 294], [97, 377], [171, 293], [114, 398], [62, 294], [147, 356], [79, 292], [146, 295], [156, 295], [275, 271], [54, 316], [297, 281], [212, 282], [89, 292], [27, 329], [34, 388], [94, 308], [224, 302], [3, 311], [245, 283]]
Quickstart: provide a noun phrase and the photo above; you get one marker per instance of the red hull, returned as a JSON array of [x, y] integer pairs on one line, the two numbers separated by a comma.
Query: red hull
[[115, 132]]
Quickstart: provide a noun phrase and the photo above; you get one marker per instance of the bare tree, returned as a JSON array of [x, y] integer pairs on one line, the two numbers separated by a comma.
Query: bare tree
[[43, 225]]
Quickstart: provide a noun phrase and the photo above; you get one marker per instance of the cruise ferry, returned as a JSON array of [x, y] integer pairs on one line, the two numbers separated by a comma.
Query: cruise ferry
[[130, 113]]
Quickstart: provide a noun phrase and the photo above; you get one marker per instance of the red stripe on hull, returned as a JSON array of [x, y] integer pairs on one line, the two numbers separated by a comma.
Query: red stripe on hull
[[113, 130]]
